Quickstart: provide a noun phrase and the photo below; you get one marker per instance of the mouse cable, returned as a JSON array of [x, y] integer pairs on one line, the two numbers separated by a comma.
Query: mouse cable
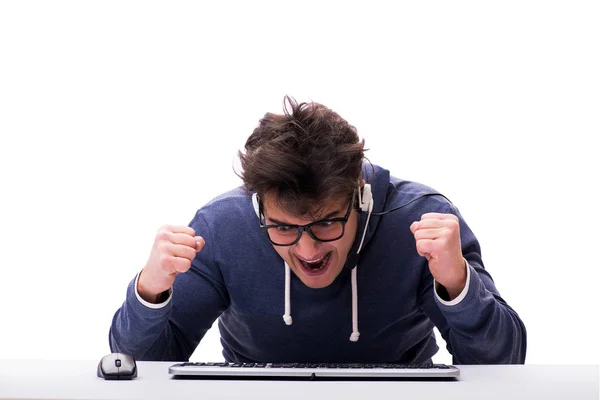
[[411, 201]]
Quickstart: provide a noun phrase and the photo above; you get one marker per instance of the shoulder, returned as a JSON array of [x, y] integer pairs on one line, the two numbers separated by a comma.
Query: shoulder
[[234, 206], [236, 198]]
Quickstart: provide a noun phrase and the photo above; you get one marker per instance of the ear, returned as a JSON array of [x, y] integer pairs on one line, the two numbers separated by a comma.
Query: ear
[[255, 204], [365, 198]]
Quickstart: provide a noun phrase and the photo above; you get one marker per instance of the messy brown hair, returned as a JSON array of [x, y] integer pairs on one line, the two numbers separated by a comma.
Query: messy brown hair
[[304, 157]]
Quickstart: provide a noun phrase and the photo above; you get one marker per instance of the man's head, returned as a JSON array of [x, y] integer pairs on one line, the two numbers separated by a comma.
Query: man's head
[[305, 166]]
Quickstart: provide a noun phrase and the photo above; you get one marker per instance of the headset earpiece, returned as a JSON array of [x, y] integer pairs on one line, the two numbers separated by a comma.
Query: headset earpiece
[[255, 204], [365, 198]]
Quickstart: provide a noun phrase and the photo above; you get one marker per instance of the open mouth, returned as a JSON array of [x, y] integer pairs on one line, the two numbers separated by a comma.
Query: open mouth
[[317, 266]]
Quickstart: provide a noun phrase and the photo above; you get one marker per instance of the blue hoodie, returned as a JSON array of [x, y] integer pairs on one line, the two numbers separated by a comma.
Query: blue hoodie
[[238, 278]]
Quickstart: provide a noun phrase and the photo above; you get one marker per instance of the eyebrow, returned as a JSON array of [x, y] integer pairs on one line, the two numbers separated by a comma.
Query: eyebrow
[[328, 216]]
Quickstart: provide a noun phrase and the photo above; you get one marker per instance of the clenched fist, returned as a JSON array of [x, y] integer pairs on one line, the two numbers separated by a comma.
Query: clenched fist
[[438, 239], [172, 253]]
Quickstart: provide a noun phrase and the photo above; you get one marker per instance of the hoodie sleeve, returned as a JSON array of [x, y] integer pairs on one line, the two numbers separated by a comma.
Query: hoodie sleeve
[[172, 331], [481, 328]]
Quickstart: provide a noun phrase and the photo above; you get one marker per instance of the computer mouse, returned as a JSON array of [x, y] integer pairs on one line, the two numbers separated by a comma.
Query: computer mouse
[[117, 366]]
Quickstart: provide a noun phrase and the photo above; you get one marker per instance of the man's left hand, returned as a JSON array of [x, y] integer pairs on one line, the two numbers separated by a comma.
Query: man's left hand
[[438, 240]]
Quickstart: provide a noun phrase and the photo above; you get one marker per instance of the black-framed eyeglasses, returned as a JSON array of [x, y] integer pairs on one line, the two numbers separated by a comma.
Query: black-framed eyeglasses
[[325, 230]]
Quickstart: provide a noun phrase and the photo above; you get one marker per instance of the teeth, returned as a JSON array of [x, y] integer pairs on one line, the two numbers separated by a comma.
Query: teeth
[[313, 261]]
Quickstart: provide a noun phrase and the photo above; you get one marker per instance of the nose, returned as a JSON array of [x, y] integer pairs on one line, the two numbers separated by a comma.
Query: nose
[[307, 247]]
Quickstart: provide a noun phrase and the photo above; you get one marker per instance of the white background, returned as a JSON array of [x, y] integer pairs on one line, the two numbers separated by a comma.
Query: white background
[[117, 117]]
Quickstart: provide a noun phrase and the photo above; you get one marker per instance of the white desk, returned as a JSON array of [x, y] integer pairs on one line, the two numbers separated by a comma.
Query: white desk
[[22, 379]]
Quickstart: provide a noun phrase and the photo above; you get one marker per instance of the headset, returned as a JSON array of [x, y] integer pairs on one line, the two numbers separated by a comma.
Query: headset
[[365, 204], [365, 200]]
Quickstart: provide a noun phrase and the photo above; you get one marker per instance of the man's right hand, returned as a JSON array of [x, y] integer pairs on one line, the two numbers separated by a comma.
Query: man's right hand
[[172, 253]]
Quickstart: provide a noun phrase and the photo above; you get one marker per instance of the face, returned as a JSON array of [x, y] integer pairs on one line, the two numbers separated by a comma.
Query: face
[[316, 263]]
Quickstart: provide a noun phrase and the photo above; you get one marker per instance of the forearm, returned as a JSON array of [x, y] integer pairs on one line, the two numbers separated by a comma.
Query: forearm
[[143, 330], [482, 328]]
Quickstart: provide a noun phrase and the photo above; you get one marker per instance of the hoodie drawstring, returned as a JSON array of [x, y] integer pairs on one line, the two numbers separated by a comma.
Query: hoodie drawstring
[[355, 333], [287, 317]]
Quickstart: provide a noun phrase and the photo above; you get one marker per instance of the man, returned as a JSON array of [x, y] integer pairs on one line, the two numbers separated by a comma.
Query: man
[[317, 234]]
